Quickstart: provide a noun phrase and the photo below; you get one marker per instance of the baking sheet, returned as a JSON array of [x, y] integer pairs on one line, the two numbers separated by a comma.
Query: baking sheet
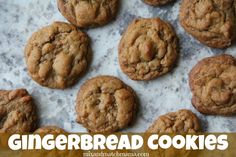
[[20, 18]]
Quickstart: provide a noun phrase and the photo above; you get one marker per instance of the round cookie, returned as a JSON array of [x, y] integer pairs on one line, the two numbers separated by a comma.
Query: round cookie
[[50, 130], [213, 23], [157, 2], [182, 121], [148, 49], [213, 84], [57, 55], [105, 104], [87, 13], [17, 112]]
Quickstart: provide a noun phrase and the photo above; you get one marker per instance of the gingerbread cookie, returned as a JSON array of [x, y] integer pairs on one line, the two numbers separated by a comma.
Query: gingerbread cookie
[[57, 55], [212, 22], [157, 2], [87, 13], [105, 104], [17, 112], [148, 49], [182, 121], [213, 84], [50, 130]]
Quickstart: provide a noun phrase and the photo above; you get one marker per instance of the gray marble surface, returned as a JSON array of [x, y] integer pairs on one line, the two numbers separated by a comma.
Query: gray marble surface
[[19, 18]]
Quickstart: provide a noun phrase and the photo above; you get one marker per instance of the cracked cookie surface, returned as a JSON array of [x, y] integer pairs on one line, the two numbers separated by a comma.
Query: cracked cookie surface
[[182, 121], [50, 130], [157, 2], [148, 49], [57, 55], [88, 13], [105, 105], [213, 84], [17, 112], [212, 22]]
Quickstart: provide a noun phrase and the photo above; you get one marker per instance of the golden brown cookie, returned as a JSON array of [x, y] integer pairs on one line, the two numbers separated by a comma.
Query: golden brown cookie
[[17, 112], [57, 55], [50, 130], [212, 22], [148, 49], [157, 2], [105, 104], [182, 121], [88, 13], [213, 84]]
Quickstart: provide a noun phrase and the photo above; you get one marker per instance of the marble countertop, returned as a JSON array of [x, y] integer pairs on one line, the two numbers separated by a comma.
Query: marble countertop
[[19, 19]]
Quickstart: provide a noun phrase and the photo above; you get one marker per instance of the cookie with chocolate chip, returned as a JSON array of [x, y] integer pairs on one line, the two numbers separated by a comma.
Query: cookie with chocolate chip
[[88, 13], [212, 22], [57, 55], [213, 84], [50, 130], [182, 121], [157, 2], [105, 104], [17, 112], [148, 49]]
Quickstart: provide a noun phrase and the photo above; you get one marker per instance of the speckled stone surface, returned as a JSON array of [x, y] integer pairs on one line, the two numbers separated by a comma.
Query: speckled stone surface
[[20, 18]]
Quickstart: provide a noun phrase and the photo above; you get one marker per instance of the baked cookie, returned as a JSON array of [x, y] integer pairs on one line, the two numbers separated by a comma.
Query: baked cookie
[[212, 22], [50, 130], [57, 55], [182, 121], [157, 2], [213, 84], [88, 13], [17, 112], [148, 49], [105, 104]]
